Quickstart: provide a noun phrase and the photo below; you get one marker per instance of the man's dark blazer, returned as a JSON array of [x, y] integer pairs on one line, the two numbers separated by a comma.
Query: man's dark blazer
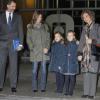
[[15, 32]]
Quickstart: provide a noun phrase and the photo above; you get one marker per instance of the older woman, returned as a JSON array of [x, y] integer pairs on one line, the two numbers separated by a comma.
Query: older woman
[[38, 40], [89, 38]]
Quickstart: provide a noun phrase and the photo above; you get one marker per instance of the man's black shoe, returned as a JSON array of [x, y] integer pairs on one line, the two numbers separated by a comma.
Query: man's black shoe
[[91, 97], [58, 91], [13, 90], [66, 94], [43, 90], [35, 90], [1, 89]]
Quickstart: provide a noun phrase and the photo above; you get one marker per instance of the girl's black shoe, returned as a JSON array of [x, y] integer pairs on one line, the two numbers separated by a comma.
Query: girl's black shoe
[[66, 94], [35, 90], [13, 90], [91, 97], [43, 90], [1, 89], [84, 96], [58, 91]]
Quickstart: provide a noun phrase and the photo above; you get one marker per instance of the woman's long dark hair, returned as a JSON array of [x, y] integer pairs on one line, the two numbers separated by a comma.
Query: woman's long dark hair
[[35, 17]]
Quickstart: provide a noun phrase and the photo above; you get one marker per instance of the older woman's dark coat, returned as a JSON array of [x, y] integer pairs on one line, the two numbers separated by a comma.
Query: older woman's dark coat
[[94, 34]]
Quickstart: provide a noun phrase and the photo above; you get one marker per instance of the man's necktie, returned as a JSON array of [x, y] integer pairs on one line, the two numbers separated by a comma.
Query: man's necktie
[[9, 20]]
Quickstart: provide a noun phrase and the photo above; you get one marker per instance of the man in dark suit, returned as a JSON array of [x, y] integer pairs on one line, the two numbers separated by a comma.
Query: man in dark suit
[[10, 29]]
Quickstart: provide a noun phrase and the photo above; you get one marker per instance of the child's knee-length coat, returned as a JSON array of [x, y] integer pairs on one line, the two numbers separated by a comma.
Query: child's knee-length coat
[[59, 60], [72, 66]]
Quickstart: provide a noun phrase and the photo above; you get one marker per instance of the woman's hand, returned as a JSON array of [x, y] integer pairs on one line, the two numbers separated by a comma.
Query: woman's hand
[[45, 50], [79, 58], [89, 41]]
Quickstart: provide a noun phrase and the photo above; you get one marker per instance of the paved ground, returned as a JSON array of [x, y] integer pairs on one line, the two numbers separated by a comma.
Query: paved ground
[[24, 90], [14, 97]]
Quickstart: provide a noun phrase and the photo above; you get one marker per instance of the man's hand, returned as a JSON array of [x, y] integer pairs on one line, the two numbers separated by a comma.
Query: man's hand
[[89, 41], [20, 47]]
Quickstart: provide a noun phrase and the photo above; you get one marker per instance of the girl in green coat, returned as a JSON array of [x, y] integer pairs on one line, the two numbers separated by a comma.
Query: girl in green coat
[[38, 40]]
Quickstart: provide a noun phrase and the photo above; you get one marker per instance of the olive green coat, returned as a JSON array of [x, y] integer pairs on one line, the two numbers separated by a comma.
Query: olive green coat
[[37, 40]]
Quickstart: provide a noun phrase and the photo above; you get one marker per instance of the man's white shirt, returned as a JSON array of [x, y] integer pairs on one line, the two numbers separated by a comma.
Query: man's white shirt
[[7, 15]]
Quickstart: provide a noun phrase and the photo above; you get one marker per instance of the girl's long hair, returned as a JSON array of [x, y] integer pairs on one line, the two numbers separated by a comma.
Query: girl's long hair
[[35, 17], [62, 39]]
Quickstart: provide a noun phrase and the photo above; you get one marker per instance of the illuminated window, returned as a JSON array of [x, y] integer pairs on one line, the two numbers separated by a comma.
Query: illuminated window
[[30, 3]]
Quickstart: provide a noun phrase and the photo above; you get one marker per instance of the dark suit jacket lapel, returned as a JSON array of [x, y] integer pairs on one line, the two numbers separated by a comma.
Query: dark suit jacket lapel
[[4, 18], [14, 18]]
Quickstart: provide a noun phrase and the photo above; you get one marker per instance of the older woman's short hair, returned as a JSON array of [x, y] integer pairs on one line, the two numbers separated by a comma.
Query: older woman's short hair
[[90, 13]]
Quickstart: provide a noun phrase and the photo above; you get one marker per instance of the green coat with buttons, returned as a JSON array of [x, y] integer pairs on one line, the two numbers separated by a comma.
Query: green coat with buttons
[[37, 40]]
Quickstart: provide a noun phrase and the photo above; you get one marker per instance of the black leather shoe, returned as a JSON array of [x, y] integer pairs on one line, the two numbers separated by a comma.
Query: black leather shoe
[[66, 94], [1, 89], [84, 96], [35, 90], [13, 90], [57, 91], [43, 90], [91, 97]]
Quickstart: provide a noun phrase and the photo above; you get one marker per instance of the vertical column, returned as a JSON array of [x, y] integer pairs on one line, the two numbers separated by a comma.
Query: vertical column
[[95, 3], [57, 3], [1, 4], [47, 3], [42, 3], [71, 3], [88, 3], [35, 3], [53, 3], [23, 4], [72, 6]]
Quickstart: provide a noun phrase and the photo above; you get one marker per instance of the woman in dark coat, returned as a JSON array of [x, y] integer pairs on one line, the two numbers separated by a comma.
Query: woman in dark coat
[[91, 37]]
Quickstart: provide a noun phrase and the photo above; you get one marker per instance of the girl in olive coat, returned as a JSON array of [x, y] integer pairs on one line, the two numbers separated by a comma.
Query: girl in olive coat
[[38, 40]]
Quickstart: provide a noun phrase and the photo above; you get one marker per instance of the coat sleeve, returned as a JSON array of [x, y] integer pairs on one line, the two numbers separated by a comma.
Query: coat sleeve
[[76, 52], [98, 35], [47, 41], [20, 29], [81, 42], [29, 39], [47, 45]]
